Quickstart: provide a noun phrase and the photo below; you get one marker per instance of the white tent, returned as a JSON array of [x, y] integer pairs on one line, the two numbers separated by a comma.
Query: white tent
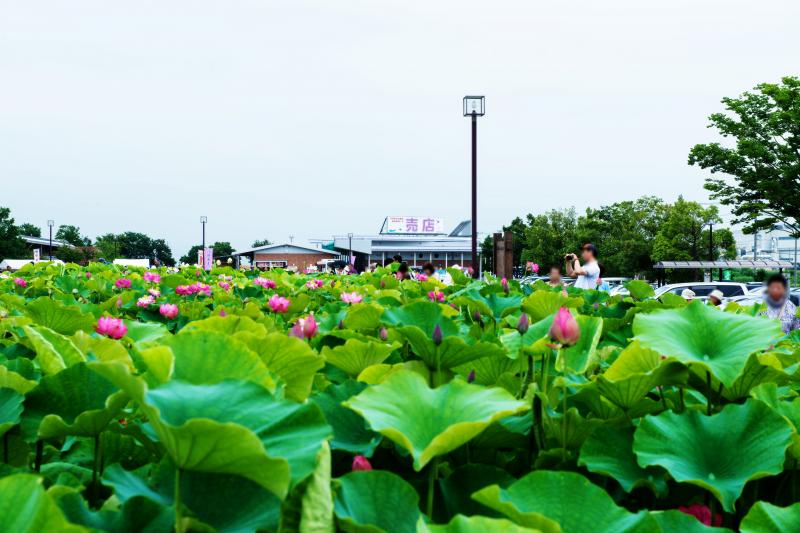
[[143, 263]]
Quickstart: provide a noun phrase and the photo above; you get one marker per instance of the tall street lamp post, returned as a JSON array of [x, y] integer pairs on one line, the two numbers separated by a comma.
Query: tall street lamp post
[[349, 248], [203, 221], [474, 107], [50, 224]]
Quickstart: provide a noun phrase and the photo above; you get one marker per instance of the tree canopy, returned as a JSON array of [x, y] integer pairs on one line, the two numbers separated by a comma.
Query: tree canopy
[[31, 230], [11, 245], [757, 173]]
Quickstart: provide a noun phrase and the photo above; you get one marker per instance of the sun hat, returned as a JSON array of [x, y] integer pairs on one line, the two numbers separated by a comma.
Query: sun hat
[[687, 294], [716, 293]]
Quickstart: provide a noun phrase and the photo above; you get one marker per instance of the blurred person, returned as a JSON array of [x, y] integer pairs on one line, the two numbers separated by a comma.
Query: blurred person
[[779, 307], [715, 297], [403, 271], [688, 295], [555, 276], [601, 284], [428, 269], [589, 272]]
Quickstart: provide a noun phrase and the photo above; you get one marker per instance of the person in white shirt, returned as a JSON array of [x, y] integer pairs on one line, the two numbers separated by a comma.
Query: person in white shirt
[[589, 273]]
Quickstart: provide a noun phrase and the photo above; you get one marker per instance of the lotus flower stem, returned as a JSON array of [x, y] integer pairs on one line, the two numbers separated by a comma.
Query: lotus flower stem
[[431, 483], [5, 447], [95, 468], [708, 393], [177, 498], [37, 463], [564, 422]]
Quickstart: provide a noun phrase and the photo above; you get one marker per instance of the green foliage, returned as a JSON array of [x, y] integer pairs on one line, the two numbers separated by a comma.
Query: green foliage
[[760, 172], [11, 245]]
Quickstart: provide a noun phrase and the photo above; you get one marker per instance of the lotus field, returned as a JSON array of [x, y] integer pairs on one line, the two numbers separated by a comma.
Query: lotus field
[[242, 401]]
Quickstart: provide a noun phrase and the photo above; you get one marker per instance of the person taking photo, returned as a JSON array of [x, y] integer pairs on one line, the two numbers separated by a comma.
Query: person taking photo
[[589, 273]]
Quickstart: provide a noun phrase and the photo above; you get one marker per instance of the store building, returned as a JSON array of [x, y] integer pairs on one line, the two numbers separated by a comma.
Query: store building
[[417, 240], [287, 256]]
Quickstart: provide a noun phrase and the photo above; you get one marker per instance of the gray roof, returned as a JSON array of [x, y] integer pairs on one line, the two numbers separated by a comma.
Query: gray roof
[[768, 264], [285, 248], [43, 241]]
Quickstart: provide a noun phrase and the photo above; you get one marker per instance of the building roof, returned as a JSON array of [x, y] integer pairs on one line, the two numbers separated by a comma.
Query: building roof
[[43, 241], [768, 264], [286, 248]]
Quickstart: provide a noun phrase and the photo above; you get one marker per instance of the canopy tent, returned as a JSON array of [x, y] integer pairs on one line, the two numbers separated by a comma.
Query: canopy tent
[[143, 263], [763, 264]]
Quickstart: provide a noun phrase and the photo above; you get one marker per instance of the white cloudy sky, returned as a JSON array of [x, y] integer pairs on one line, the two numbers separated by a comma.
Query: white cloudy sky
[[279, 117]]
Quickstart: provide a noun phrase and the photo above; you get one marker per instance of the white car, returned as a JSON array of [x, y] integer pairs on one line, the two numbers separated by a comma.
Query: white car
[[702, 289]]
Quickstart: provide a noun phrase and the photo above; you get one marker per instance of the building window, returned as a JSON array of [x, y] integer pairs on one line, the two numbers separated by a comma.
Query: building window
[[436, 256]]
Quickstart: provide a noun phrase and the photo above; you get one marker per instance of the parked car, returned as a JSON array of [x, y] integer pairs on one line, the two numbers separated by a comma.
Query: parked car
[[703, 288], [757, 296]]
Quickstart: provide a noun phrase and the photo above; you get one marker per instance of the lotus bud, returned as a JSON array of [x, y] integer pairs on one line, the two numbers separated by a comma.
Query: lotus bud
[[383, 284], [476, 317], [504, 283], [565, 329], [384, 334], [522, 324], [361, 463], [437, 335], [341, 324], [471, 376]]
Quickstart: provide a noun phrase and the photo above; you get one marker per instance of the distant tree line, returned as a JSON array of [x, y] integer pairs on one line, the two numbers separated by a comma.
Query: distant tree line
[[631, 235]]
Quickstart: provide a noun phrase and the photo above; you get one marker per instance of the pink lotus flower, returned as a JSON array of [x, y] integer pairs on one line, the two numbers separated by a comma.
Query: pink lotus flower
[[304, 328], [504, 283], [312, 285], [422, 277], [111, 327], [383, 334], [533, 267], [265, 283], [436, 296], [351, 297], [565, 329], [155, 293], [88, 275], [151, 276], [20, 282], [224, 285], [702, 513], [222, 313], [123, 283], [361, 464], [168, 311], [145, 301], [278, 304]]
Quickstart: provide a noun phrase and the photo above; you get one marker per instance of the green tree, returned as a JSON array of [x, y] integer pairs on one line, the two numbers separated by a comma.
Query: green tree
[[549, 237], [191, 256], [624, 233], [107, 246], [761, 172], [11, 245], [72, 235], [222, 249], [134, 245], [261, 242], [30, 230]]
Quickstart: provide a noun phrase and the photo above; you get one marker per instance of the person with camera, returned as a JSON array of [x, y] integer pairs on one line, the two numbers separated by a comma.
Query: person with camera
[[589, 273]]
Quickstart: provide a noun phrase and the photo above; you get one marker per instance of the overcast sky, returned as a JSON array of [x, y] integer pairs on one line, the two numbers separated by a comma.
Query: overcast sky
[[309, 118]]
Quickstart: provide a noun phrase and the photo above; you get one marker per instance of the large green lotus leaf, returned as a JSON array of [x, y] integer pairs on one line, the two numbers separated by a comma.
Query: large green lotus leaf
[[350, 430], [760, 368], [62, 319], [700, 335], [423, 315], [764, 517], [227, 502], [635, 373], [492, 305], [13, 380], [76, 401], [640, 290], [136, 514], [204, 357], [476, 524], [562, 501], [579, 357], [452, 352], [578, 428], [10, 409], [542, 304], [214, 428], [464, 481], [372, 375], [101, 348], [719, 453], [354, 355], [141, 332], [609, 451], [309, 506], [25, 507], [431, 422], [375, 501], [789, 410], [292, 360], [229, 325], [674, 521], [363, 316], [489, 370], [54, 352]]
